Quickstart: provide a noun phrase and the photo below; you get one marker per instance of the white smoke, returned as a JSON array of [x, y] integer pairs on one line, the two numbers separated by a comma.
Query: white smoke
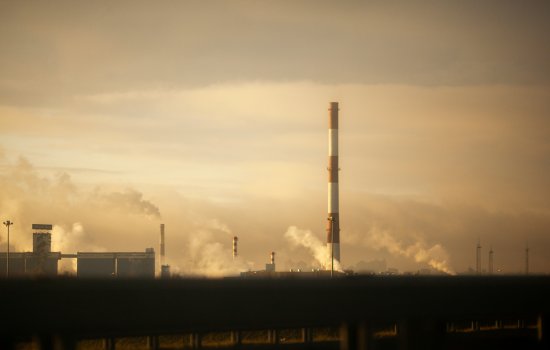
[[209, 257], [435, 256], [306, 239], [28, 195], [131, 201], [215, 224], [71, 240]]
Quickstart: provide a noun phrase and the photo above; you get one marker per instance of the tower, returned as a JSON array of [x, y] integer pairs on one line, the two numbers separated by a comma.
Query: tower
[[333, 222], [235, 240]]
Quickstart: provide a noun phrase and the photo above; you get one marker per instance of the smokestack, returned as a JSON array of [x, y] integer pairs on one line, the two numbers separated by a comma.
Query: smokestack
[[235, 239], [478, 258], [333, 222], [491, 261], [162, 252], [271, 266]]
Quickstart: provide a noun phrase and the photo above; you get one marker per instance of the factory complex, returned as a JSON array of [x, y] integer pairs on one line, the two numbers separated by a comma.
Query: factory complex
[[43, 262]]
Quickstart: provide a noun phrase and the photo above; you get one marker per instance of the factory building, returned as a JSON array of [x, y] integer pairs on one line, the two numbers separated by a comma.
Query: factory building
[[116, 264], [270, 272], [40, 262], [29, 263], [43, 262]]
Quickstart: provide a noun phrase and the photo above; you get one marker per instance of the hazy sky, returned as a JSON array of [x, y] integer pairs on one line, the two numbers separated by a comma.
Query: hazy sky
[[211, 116]]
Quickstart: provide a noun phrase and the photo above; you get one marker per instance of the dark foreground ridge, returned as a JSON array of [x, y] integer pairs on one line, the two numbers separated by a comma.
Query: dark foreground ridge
[[429, 312]]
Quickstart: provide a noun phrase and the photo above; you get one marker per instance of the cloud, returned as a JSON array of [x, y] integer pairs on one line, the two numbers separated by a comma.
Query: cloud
[[436, 44]]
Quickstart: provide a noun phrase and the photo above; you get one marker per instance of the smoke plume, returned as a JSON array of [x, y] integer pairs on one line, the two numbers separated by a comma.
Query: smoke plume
[[209, 257], [28, 196], [435, 256], [306, 239], [131, 200], [71, 239]]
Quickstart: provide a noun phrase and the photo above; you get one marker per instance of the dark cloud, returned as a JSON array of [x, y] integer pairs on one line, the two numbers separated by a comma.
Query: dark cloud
[[83, 48]]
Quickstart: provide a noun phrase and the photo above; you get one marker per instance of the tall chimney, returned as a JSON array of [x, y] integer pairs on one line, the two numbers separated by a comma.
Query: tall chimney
[[333, 222], [235, 239], [272, 258], [162, 251]]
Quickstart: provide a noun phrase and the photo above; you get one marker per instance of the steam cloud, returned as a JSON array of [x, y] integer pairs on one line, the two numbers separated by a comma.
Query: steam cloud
[[27, 197], [435, 256], [71, 240], [132, 201], [306, 239], [209, 257]]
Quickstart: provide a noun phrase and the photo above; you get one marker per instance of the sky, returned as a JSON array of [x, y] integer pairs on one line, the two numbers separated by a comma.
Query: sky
[[211, 117]]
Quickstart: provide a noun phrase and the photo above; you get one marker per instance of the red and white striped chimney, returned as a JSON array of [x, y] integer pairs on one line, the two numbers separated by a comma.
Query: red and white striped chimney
[[235, 239], [333, 222]]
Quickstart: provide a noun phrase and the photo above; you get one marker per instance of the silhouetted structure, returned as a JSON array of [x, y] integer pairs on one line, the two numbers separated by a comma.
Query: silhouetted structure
[[43, 262], [490, 260], [235, 240], [165, 271], [162, 246], [40, 262], [425, 313], [116, 264], [478, 258], [271, 266]]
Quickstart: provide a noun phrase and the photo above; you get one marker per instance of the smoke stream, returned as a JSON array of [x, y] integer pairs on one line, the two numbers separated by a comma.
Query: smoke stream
[[435, 256], [27, 196], [208, 256], [131, 200], [71, 240], [306, 239]]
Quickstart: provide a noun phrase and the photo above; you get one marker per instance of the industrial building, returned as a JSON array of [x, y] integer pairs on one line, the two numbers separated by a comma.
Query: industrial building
[[116, 264], [43, 262]]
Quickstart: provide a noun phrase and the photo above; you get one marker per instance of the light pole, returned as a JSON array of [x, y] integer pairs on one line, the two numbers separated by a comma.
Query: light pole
[[331, 219], [8, 224]]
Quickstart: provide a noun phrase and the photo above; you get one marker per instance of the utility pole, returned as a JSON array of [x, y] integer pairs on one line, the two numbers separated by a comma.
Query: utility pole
[[491, 261], [8, 224], [478, 257], [526, 259]]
